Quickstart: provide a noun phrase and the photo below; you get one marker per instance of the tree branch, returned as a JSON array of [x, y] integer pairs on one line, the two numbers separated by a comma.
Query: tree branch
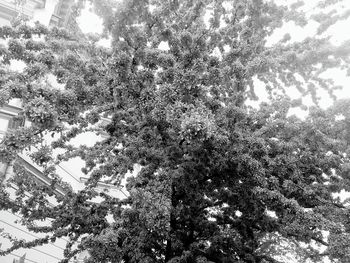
[[269, 259]]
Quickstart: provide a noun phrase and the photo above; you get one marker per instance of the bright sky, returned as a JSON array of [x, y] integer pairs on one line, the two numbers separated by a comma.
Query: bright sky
[[91, 23]]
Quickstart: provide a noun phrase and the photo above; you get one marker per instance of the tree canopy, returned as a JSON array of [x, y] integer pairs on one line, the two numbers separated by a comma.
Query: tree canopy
[[220, 181]]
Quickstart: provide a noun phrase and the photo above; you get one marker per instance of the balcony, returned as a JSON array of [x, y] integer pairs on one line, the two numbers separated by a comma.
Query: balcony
[[9, 10]]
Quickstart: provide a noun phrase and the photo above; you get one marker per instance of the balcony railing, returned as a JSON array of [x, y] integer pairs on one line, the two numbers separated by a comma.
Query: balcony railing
[[9, 10]]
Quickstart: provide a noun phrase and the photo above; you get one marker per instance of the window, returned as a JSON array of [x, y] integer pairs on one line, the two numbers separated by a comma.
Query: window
[[4, 121], [14, 123], [8, 122]]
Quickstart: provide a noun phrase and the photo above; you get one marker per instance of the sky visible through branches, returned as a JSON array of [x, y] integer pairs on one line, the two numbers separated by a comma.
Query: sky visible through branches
[[90, 23]]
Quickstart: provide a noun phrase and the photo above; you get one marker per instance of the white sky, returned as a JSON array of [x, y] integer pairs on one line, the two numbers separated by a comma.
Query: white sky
[[91, 23]]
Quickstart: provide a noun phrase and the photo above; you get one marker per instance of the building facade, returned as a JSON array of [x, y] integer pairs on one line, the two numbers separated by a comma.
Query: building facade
[[58, 13], [50, 13], [10, 9], [63, 16]]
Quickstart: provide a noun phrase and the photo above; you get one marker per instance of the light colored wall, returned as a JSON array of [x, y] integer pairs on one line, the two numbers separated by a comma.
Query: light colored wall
[[44, 15], [49, 253], [34, 9], [4, 22]]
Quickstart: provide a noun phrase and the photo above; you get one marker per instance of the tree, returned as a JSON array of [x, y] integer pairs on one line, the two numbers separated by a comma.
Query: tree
[[220, 181]]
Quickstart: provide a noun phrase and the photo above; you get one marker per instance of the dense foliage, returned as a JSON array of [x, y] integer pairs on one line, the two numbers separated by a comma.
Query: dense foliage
[[220, 181]]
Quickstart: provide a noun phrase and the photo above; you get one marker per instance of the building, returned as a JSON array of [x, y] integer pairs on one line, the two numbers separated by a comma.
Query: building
[[63, 16], [58, 13], [7, 123], [10, 9], [52, 252], [50, 13]]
